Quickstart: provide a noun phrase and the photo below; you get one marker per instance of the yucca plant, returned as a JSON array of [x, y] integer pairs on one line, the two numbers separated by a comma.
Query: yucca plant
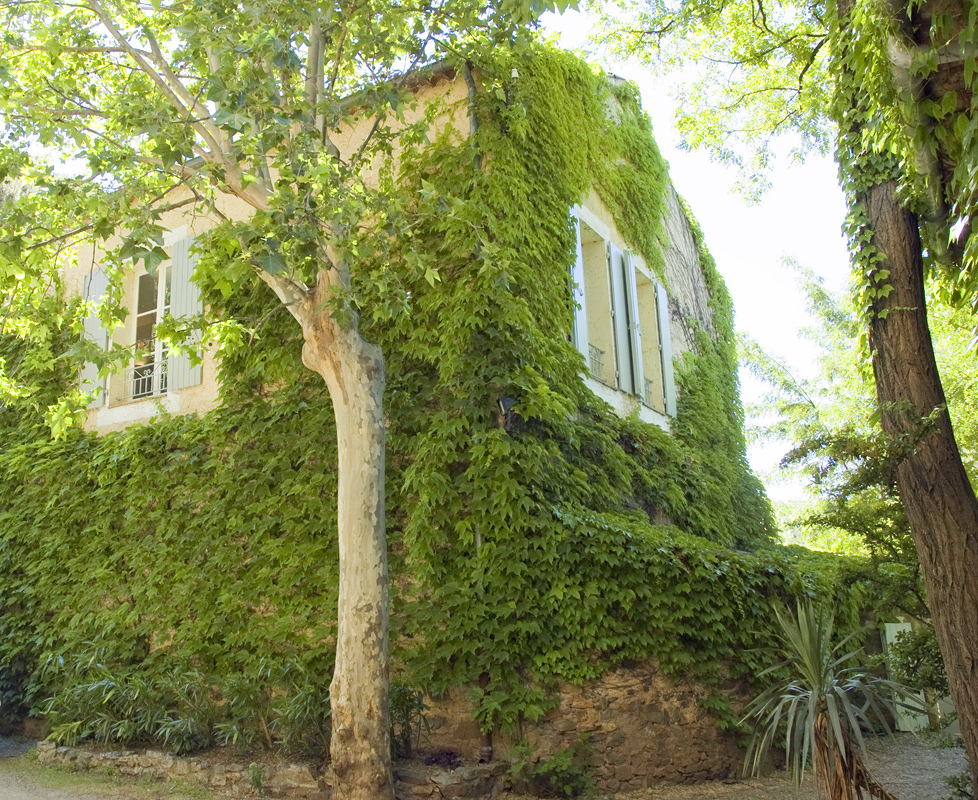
[[820, 709]]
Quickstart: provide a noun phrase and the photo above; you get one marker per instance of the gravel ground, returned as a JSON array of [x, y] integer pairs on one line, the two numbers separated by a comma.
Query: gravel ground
[[906, 765]]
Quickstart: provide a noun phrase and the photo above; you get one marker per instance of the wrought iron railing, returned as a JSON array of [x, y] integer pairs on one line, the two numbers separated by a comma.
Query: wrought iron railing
[[597, 362], [146, 380]]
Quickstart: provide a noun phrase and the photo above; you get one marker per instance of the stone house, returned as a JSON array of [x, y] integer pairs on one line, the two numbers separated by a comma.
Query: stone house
[[628, 326], [634, 317]]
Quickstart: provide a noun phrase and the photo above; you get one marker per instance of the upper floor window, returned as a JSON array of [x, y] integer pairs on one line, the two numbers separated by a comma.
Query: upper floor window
[[147, 374], [622, 321], [154, 370]]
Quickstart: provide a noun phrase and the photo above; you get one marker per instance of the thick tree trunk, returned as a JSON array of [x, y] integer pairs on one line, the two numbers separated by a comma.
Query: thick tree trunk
[[939, 500], [354, 373]]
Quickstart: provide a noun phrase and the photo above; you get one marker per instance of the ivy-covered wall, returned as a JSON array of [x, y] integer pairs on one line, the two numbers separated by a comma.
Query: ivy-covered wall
[[191, 563]]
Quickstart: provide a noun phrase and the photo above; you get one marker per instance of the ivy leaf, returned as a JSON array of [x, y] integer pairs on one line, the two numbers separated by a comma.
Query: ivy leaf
[[271, 262]]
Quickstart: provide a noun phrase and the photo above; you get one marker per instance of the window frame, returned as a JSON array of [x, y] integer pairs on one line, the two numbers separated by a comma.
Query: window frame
[[630, 364]]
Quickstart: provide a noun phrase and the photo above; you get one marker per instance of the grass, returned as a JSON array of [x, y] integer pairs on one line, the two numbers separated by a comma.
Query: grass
[[104, 783]]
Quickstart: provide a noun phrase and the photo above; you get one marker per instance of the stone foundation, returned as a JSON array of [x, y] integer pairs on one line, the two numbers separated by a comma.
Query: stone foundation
[[413, 781], [642, 730], [278, 780]]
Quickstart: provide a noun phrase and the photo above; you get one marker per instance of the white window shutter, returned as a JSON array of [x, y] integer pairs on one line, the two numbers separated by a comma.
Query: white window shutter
[[619, 311], [96, 283], [579, 331], [634, 329], [665, 349], [184, 302]]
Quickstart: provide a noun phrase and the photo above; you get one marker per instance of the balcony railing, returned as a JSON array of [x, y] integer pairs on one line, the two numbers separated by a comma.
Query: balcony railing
[[146, 380], [597, 362]]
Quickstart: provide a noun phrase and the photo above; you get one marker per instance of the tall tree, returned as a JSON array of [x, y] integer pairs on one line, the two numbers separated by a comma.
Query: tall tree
[[829, 425], [891, 83], [117, 111]]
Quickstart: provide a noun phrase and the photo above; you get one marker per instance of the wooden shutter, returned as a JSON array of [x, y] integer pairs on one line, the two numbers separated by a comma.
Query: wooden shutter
[[634, 328], [96, 283], [665, 349], [620, 309], [579, 331], [184, 302]]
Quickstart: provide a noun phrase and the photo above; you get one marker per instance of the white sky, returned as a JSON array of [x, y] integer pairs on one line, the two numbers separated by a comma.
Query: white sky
[[800, 218]]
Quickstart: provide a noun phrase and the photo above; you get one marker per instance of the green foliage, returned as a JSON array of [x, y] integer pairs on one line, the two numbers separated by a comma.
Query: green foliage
[[256, 777], [778, 81], [154, 700], [821, 706], [408, 720], [719, 706], [544, 546], [960, 785], [916, 661], [830, 420], [567, 773], [122, 703]]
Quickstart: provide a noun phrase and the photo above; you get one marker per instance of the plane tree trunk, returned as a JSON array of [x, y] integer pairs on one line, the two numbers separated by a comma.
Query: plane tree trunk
[[353, 370], [939, 499]]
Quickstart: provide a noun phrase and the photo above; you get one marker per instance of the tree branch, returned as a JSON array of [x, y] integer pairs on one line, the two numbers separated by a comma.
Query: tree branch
[[207, 130], [291, 293]]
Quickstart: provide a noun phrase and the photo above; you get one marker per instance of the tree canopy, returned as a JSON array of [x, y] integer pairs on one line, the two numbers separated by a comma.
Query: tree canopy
[[830, 424]]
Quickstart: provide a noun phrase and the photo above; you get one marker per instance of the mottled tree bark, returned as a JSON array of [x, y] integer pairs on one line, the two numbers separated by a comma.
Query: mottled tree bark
[[938, 497], [353, 370]]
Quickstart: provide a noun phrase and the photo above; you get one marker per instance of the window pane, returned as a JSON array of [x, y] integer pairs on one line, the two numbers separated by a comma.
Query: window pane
[[147, 294], [165, 271], [144, 331]]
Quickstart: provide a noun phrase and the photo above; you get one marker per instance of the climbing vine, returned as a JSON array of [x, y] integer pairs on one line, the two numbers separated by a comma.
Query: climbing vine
[[544, 541]]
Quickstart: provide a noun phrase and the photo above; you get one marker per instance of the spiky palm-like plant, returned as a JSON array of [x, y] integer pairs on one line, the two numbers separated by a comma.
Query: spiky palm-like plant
[[820, 708]]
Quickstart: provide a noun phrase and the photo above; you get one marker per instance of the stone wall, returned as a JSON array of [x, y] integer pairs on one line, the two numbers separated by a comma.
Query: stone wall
[[277, 779], [689, 295], [641, 728], [413, 781]]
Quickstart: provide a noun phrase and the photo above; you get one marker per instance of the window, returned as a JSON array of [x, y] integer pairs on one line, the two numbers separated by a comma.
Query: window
[[147, 375], [658, 389], [154, 371], [622, 322]]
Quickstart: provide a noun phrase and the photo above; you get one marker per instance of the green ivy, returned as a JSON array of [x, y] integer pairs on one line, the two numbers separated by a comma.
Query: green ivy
[[548, 543]]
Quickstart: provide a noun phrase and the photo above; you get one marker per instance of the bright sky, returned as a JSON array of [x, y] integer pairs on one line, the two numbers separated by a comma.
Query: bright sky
[[800, 218]]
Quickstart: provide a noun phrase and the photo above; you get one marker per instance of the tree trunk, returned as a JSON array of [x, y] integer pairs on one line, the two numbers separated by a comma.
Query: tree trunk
[[354, 373], [939, 500]]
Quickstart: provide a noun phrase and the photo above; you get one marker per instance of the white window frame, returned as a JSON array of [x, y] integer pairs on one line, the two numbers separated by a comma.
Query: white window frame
[[623, 369], [169, 372], [150, 380]]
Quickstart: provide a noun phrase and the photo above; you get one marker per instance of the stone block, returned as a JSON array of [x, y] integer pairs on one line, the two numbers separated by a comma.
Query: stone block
[[417, 792], [443, 777], [291, 776], [412, 776]]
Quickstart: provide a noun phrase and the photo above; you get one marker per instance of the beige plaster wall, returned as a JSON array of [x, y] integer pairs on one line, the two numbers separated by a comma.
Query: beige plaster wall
[[445, 89]]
